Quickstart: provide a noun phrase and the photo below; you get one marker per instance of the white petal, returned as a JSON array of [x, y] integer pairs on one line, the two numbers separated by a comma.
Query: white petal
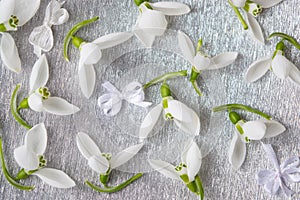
[[258, 69], [125, 155], [87, 79], [26, 158], [264, 176], [39, 74], [238, 3], [25, 10], [36, 139], [281, 66], [9, 53], [192, 127], [223, 60], [192, 156], [35, 102], [254, 130], [112, 39], [55, 178], [201, 62], [267, 3], [237, 151], [6, 9], [255, 29], [59, 106], [99, 164], [274, 128], [164, 168], [146, 38], [90, 53], [171, 8], [294, 74], [153, 21], [86, 145], [186, 46], [180, 111], [150, 121], [110, 103]]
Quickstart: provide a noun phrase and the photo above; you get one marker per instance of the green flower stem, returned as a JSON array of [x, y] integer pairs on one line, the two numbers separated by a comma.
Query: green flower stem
[[163, 77], [287, 37], [116, 188], [200, 187], [240, 17], [8, 177], [2, 28], [73, 31], [193, 79], [240, 107], [14, 110]]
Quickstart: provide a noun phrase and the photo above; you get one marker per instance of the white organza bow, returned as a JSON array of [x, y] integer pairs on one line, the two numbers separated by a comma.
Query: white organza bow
[[42, 37], [111, 102]]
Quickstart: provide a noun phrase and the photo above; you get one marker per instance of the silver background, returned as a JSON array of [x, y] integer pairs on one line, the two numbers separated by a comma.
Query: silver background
[[216, 23]]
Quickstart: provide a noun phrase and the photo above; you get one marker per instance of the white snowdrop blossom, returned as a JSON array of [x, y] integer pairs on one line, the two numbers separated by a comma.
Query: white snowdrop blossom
[[13, 14], [39, 96], [152, 21], [30, 157], [111, 102], [42, 37], [288, 171]]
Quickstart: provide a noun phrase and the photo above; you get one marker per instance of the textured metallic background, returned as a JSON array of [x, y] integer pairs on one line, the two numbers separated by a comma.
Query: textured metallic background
[[215, 22]]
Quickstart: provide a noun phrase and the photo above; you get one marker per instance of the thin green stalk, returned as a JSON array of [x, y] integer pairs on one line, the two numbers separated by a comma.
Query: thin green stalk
[[200, 187], [8, 177], [14, 110], [287, 37], [193, 79], [196, 87], [240, 17], [116, 188], [240, 107]]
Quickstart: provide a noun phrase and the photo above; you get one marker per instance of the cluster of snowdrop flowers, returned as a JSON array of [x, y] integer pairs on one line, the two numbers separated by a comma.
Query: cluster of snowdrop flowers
[[14, 13], [252, 9], [187, 170], [104, 163], [152, 21], [245, 131]]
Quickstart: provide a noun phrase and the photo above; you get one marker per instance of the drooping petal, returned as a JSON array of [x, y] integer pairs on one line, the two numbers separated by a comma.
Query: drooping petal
[[6, 9], [254, 130], [239, 3], [171, 8], [281, 66], [192, 158], [9, 53], [59, 106], [26, 158], [192, 127], [267, 3], [258, 69], [125, 155], [36, 139], [112, 39], [35, 102], [86, 145], [274, 128], [201, 62], [264, 176], [150, 120], [87, 79], [110, 103], [146, 38], [99, 164], [237, 151], [39, 74], [255, 29], [90, 53], [223, 60], [186, 46], [25, 10], [294, 74], [180, 111], [164, 168], [55, 178], [273, 185]]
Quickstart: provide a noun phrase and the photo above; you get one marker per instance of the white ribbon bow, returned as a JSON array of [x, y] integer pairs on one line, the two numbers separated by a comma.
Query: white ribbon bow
[[42, 37], [111, 102], [286, 172]]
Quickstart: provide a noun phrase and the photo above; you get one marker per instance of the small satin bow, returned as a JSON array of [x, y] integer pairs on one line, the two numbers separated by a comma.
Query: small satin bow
[[42, 37], [111, 102]]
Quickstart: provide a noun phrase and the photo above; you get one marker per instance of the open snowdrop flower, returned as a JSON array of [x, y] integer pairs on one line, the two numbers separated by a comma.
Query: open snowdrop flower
[[42, 37], [201, 62], [245, 131], [30, 158], [111, 102], [187, 170], [184, 117], [13, 15], [288, 171], [104, 163], [252, 9], [152, 21]]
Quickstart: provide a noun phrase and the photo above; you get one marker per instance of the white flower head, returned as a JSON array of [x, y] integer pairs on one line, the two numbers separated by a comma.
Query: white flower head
[[30, 157], [103, 163], [14, 14], [152, 21], [39, 96]]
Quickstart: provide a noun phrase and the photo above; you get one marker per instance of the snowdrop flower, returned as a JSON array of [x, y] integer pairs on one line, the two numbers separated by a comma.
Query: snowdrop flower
[[184, 117], [287, 172], [111, 102], [104, 163], [187, 170], [42, 37], [13, 15], [152, 21], [201, 62], [30, 157]]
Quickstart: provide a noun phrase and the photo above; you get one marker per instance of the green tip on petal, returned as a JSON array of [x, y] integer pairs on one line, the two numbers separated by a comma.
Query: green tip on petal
[[286, 37], [2, 28]]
